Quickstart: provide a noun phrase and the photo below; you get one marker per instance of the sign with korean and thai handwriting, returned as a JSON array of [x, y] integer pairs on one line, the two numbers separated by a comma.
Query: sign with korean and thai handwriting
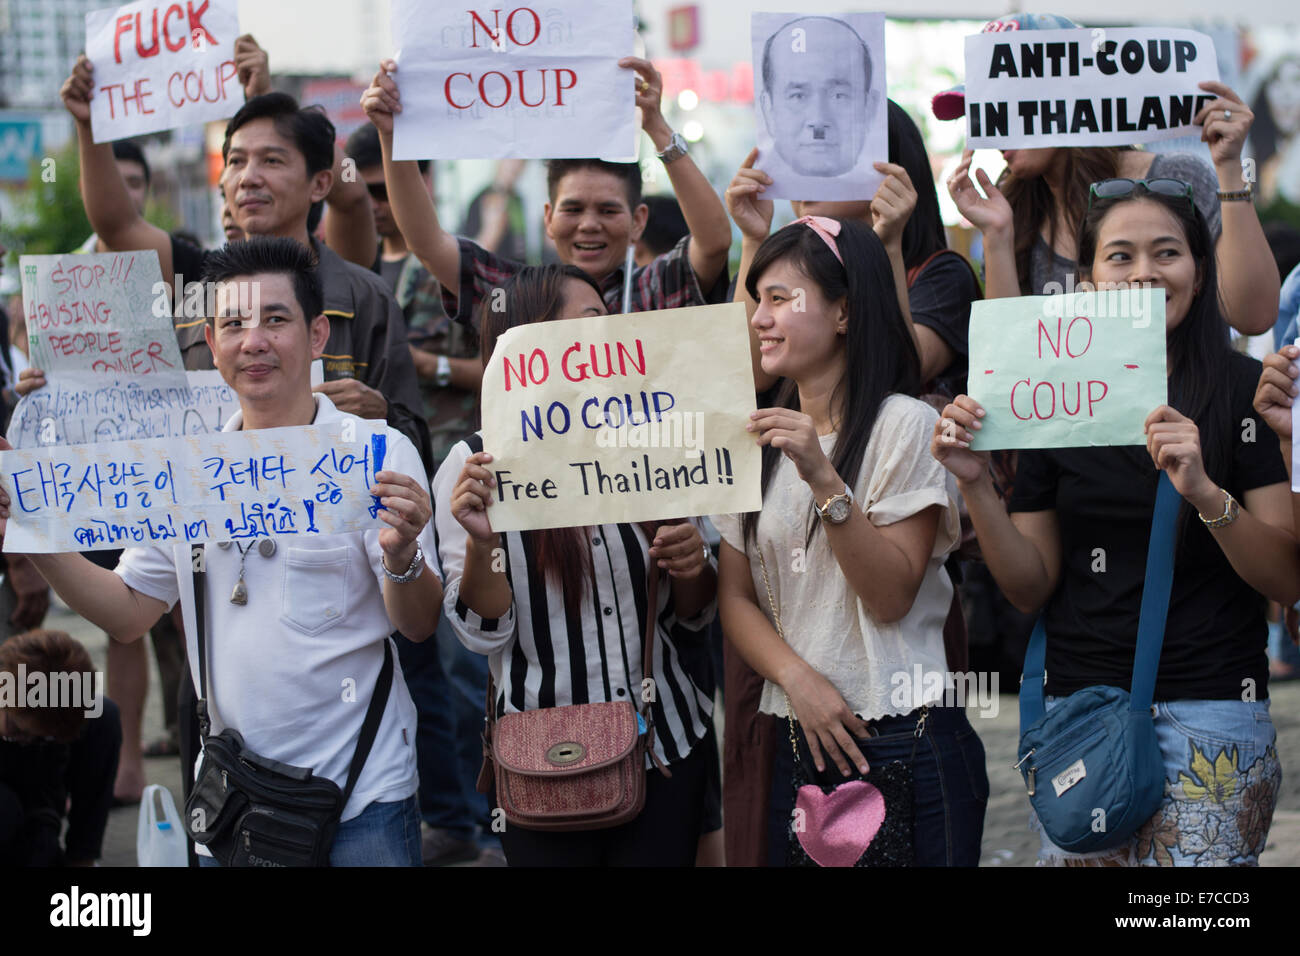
[[1101, 87], [621, 418], [160, 64], [1064, 371], [484, 81], [273, 482]]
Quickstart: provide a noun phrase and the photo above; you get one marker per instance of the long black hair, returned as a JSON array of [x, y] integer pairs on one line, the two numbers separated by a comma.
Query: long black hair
[[1199, 350], [882, 357], [923, 234]]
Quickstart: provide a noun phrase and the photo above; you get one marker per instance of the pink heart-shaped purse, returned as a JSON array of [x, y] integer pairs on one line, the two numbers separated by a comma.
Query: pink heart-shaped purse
[[837, 827]]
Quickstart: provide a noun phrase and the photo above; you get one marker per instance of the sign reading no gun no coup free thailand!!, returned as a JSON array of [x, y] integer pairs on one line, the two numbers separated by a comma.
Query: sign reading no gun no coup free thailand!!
[[621, 418]]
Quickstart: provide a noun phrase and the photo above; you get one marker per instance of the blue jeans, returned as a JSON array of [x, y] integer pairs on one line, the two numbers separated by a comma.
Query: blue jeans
[[1222, 778], [952, 785], [467, 673], [383, 834], [442, 800]]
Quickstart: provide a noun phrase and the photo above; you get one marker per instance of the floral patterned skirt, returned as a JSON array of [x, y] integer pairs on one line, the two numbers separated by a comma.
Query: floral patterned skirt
[[1222, 778]]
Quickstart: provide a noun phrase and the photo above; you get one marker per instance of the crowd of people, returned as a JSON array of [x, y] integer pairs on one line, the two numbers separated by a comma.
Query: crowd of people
[[884, 540]]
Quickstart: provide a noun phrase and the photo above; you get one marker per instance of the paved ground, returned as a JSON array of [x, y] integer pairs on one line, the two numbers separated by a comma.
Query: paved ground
[[1007, 840]]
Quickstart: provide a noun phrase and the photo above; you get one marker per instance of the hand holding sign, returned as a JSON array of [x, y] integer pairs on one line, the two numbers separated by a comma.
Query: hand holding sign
[[893, 203], [751, 213], [1174, 442], [1277, 390], [953, 434], [381, 100], [472, 496], [990, 213], [1224, 123], [407, 511], [77, 88]]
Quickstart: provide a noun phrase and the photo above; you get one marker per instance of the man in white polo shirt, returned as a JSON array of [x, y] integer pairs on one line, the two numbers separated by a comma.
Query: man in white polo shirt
[[291, 628]]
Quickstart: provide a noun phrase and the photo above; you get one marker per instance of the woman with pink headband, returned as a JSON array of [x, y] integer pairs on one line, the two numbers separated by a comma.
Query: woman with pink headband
[[835, 592]]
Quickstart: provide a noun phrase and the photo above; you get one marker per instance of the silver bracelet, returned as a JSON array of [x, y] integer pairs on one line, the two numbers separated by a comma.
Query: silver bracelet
[[411, 573]]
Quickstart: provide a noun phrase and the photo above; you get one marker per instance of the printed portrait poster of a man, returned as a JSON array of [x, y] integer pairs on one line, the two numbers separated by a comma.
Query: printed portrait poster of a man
[[819, 103]]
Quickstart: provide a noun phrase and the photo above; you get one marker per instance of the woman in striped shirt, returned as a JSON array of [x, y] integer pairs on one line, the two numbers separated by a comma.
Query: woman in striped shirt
[[561, 615]]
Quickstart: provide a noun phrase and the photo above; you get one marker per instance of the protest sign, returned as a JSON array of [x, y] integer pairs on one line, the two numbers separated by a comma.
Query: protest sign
[[271, 482], [1065, 371], [79, 413], [160, 64], [90, 318], [819, 103], [492, 82], [619, 418], [1110, 87]]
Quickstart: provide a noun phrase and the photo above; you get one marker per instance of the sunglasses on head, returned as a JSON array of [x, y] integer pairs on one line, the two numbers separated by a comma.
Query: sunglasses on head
[[1119, 188], [378, 191]]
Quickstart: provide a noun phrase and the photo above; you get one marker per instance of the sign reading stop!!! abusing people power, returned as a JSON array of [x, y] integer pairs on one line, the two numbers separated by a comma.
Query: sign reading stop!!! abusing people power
[[1066, 371], [160, 64], [483, 80]]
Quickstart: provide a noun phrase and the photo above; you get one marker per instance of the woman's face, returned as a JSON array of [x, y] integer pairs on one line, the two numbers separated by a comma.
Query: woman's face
[[1026, 164], [1284, 96], [800, 334], [1143, 243], [580, 301]]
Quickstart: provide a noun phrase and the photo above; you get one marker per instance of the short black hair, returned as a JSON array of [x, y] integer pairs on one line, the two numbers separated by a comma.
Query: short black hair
[[767, 50], [310, 129], [665, 226], [630, 173], [129, 151], [275, 255], [363, 149]]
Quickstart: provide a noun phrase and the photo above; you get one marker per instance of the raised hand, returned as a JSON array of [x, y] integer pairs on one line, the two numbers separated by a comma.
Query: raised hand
[[751, 213], [472, 496], [893, 203], [381, 99], [988, 213], [953, 434], [1277, 390]]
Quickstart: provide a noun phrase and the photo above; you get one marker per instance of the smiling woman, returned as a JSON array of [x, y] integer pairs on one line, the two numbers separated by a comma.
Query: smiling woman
[[1072, 505]]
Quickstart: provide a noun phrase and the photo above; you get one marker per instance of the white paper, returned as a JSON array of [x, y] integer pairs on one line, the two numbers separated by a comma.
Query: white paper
[[79, 413], [273, 482], [160, 64], [1101, 87], [820, 123], [502, 82]]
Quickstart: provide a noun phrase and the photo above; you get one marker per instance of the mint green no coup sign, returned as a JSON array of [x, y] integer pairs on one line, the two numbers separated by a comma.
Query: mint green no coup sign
[[1065, 371]]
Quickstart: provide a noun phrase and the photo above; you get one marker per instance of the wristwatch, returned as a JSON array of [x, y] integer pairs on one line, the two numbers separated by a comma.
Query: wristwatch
[[411, 573], [1230, 511], [837, 508], [675, 149], [442, 375]]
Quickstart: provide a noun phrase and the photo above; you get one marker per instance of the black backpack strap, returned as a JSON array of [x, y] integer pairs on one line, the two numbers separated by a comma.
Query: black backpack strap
[[374, 714], [198, 570]]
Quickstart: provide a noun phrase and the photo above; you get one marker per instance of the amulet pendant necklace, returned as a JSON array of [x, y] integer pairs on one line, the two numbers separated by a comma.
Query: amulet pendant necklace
[[266, 548]]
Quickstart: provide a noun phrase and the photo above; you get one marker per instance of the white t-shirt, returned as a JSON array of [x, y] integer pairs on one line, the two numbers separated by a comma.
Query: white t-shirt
[[293, 670], [872, 664]]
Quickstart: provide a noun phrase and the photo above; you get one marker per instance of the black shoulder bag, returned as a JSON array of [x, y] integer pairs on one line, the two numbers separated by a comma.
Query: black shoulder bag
[[250, 810]]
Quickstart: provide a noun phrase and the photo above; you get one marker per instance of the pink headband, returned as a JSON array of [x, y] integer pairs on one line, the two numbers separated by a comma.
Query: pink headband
[[825, 227]]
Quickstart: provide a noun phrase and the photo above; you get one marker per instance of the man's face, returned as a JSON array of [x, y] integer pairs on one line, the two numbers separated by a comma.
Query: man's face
[[260, 341], [816, 107], [373, 177], [266, 182], [133, 175], [590, 221]]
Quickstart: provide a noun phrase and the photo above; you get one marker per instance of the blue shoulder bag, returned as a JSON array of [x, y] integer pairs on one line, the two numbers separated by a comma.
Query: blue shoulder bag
[[1092, 764]]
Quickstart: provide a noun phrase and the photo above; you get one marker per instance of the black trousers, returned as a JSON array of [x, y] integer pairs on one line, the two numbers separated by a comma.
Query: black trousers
[[666, 833]]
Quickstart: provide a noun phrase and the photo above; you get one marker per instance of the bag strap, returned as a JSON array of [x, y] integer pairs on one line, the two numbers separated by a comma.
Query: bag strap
[[1151, 620], [914, 273], [646, 709], [378, 700]]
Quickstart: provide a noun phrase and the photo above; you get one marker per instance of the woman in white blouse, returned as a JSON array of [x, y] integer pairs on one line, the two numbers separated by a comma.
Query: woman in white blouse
[[849, 547]]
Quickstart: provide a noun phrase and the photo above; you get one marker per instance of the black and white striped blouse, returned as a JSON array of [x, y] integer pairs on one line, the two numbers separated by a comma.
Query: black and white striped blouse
[[542, 657]]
